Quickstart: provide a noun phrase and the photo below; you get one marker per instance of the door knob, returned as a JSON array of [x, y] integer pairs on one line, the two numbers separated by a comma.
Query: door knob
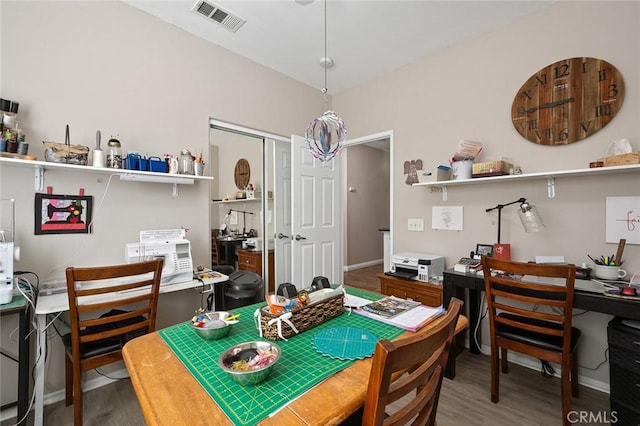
[[281, 236], [298, 237]]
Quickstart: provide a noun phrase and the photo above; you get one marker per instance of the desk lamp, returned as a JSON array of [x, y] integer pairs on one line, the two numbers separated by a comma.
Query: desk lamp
[[244, 219], [531, 221]]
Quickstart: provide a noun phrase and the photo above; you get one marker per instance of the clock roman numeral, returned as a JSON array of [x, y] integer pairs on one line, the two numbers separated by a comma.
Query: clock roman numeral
[[585, 126], [527, 94], [602, 75], [542, 79], [602, 110], [532, 124]]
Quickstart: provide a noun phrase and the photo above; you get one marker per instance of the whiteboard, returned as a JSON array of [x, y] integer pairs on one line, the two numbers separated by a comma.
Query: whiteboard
[[622, 219]]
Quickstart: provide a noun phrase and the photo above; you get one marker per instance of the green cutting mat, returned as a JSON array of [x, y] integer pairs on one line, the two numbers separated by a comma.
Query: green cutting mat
[[299, 369]]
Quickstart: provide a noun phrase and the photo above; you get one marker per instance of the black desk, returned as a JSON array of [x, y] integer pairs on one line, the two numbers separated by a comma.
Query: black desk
[[20, 306], [455, 282]]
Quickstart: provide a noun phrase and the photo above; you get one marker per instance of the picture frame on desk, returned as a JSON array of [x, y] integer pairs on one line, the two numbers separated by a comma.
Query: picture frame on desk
[[484, 250]]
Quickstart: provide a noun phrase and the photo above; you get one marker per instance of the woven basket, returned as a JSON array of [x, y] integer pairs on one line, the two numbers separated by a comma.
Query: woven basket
[[302, 319]]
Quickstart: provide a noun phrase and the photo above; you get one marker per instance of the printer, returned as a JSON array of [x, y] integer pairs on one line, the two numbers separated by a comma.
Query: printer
[[256, 244], [418, 266]]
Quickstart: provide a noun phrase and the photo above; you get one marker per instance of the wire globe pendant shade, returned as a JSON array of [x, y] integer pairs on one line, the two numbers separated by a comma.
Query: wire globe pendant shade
[[325, 136]]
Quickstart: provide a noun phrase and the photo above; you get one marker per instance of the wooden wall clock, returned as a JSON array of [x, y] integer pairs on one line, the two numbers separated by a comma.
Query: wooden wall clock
[[242, 174], [568, 101]]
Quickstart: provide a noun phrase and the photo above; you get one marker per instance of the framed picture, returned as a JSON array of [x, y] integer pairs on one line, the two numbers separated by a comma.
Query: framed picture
[[62, 214], [484, 250]]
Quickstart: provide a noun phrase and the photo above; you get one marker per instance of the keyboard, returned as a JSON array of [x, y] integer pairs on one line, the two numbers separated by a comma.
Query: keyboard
[[471, 263]]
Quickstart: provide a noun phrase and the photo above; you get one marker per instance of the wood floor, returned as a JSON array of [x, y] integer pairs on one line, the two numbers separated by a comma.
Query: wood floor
[[526, 398]]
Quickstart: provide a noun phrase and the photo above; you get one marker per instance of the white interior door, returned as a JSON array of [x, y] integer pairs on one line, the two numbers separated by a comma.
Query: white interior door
[[316, 212], [282, 212]]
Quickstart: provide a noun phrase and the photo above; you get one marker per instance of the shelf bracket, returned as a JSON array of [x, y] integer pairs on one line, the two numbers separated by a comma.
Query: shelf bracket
[[442, 189], [551, 187], [175, 190], [39, 178]]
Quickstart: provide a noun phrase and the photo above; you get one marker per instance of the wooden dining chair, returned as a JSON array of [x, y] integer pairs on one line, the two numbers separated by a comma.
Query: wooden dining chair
[[129, 294], [530, 311], [408, 364], [215, 248]]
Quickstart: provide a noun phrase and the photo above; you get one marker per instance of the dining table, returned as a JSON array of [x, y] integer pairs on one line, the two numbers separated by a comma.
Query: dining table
[[169, 393]]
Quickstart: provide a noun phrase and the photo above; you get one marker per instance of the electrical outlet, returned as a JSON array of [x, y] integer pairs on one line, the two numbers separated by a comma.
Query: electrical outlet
[[416, 225]]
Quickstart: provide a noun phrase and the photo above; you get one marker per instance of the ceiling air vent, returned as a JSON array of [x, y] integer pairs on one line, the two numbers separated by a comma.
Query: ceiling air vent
[[215, 13]]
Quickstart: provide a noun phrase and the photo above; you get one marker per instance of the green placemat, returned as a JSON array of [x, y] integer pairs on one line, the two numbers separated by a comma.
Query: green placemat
[[299, 369]]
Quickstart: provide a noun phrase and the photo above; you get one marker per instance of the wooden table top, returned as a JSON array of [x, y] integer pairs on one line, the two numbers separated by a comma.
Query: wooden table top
[[169, 395]]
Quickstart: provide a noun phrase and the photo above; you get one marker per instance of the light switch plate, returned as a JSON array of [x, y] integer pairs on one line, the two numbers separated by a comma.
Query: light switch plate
[[416, 225]]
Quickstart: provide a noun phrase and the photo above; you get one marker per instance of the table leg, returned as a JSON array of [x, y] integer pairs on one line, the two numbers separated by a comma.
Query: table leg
[[39, 370], [23, 365]]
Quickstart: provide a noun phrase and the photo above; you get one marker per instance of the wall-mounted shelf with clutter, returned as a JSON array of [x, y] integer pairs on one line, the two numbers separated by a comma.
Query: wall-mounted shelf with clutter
[[40, 167], [442, 186]]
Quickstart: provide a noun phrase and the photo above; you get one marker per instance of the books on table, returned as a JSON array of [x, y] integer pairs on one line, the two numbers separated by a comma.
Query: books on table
[[407, 314]]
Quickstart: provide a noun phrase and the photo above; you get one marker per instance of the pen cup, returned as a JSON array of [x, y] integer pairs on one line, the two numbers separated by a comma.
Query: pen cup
[[609, 272]]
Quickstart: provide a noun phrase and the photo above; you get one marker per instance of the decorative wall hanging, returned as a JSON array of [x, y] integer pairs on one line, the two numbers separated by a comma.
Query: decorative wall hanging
[[623, 219], [62, 214], [411, 170], [568, 101], [448, 218]]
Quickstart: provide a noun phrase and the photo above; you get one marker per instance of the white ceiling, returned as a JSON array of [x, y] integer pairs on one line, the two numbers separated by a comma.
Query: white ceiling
[[366, 39]]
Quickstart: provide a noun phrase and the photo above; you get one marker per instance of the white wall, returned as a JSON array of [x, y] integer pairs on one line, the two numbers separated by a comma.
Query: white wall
[[466, 92], [110, 67], [107, 66]]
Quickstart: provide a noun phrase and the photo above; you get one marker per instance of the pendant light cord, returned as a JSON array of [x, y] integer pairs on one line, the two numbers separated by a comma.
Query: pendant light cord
[[325, 47]]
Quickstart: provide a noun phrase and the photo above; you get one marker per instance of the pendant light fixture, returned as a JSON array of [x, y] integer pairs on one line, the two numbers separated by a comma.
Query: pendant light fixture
[[326, 134]]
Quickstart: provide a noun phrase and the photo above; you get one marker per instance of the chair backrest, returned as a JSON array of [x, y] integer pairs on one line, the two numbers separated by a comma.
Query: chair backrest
[[521, 291], [129, 292], [215, 249], [415, 362]]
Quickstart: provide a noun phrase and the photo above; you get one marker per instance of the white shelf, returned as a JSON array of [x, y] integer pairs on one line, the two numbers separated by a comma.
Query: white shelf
[[239, 200], [549, 176], [40, 167]]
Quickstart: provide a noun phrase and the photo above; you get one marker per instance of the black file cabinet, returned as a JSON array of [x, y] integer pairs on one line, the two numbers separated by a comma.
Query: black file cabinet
[[624, 372]]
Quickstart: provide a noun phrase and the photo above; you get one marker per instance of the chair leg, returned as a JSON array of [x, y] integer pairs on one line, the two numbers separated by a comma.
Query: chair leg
[[77, 397], [495, 374], [503, 359], [575, 388], [68, 381], [566, 390]]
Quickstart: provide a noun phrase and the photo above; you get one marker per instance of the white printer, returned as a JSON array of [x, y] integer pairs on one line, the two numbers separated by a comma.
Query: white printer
[[419, 266], [256, 244]]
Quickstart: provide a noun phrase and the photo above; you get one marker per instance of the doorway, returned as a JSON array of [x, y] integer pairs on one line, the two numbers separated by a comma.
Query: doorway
[[368, 199], [246, 213]]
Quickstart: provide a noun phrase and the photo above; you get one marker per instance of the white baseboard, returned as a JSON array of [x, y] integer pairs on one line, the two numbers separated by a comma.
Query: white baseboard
[[59, 395], [87, 385], [534, 364], [348, 268]]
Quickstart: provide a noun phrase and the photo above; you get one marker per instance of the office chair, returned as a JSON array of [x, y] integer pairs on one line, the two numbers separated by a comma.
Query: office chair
[[408, 364], [95, 340], [534, 319]]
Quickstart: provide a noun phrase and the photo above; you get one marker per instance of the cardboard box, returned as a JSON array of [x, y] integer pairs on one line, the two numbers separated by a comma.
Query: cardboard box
[[491, 168], [620, 160]]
